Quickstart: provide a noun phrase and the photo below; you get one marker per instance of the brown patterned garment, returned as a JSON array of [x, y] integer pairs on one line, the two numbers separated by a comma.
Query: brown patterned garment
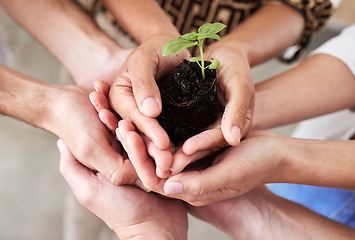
[[188, 15]]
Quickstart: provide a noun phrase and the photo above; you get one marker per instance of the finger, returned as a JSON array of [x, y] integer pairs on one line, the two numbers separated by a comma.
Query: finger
[[121, 92], [202, 187], [138, 155], [104, 159], [163, 158], [109, 119], [212, 139], [239, 109], [181, 160], [142, 72], [102, 87], [197, 147], [99, 101]]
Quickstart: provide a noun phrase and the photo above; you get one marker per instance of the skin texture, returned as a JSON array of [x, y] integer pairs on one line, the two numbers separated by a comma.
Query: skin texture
[[272, 217], [48, 106], [136, 85], [93, 55], [239, 169], [129, 211]]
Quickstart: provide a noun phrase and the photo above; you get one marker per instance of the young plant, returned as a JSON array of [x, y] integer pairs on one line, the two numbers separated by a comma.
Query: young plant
[[207, 30]]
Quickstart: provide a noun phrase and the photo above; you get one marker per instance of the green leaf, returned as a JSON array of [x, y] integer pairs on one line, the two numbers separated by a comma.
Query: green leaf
[[195, 59], [190, 36], [215, 64], [211, 28], [177, 45], [209, 35]]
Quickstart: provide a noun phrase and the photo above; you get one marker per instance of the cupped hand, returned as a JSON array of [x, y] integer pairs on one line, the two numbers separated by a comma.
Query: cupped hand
[[75, 121], [127, 210], [236, 96], [256, 160], [99, 98], [135, 95]]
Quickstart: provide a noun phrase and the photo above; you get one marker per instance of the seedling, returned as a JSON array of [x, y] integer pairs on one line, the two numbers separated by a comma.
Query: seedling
[[207, 30]]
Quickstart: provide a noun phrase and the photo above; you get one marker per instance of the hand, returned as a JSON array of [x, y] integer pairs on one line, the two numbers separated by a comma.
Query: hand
[[236, 95], [135, 95], [256, 160], [76, 122], [127, 210], [163, 158]]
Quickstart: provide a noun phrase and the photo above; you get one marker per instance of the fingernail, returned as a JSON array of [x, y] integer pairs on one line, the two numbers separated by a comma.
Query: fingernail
[[149, 106], [173, 188], [118, 134], [102, 119], [235, 131], [60, 145], [93, 102], [96, 88]]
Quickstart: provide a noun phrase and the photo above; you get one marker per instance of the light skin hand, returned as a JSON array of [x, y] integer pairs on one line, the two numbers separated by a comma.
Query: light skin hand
[[136, 87], [89, 139], [236, 97], [137, 151], [249, 44], [162, 158], [233, 172], [264, 157], [129, 211]]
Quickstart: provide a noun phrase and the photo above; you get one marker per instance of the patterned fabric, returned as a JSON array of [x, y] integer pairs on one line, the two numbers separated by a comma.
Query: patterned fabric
[[188, 15], [315, 13]]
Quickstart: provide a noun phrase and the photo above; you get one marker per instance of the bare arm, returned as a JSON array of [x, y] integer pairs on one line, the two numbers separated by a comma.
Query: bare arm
[[266, 34], [317, 162], [66, 112], [70, 35], [272, 217], [25, 98], [142, 19], [321, 84]]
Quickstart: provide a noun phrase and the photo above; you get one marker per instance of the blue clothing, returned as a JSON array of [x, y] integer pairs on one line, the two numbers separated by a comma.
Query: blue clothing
[[336, 204]]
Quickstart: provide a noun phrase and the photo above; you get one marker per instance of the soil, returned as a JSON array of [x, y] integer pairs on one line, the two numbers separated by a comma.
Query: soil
[[189, 102]]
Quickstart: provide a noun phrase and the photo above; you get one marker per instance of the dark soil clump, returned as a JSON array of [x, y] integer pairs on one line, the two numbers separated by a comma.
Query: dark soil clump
[[189, 103]]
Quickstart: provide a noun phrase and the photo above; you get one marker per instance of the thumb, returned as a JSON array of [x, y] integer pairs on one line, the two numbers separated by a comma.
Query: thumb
[[237, 116], [112, 165], [99, 155], [142, 71], [200, 187]]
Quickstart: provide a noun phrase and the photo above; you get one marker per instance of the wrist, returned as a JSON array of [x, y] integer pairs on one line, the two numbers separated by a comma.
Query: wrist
[[281, 148], [140, 232], [25, 98], [96, 59]]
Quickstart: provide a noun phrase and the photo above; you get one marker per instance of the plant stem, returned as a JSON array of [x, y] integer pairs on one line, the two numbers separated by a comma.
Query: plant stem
[[202, 59]]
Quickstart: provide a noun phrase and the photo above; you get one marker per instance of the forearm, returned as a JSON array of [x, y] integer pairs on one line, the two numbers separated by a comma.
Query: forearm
[[66, 31], [25, 98], [142, 19], [298, 222], [281, 27], [319, 85], [317, 162]]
